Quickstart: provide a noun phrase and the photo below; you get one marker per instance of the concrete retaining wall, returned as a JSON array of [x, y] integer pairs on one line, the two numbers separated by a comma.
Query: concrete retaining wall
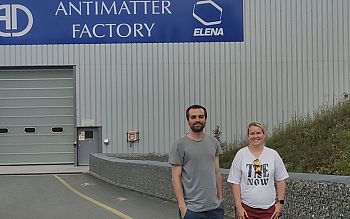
[[308, 195]]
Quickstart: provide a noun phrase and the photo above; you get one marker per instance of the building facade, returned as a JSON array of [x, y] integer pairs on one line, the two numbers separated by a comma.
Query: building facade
[[294, 60]]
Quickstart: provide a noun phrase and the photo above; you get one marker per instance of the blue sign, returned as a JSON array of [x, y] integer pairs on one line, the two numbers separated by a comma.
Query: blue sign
[[120, 21]]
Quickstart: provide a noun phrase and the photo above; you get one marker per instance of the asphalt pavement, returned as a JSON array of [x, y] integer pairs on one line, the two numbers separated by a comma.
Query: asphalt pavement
[[70, 192], [77, 195]]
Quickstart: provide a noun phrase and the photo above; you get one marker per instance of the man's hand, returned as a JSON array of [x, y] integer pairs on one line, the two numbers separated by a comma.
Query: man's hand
[[278, 209], [183, 211]]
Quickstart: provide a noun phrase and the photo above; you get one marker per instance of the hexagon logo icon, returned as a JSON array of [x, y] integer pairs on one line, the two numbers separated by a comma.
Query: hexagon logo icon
[[207, 12]]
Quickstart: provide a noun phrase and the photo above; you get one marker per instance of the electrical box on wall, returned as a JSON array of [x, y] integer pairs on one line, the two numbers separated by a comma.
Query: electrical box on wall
[[132, 136]]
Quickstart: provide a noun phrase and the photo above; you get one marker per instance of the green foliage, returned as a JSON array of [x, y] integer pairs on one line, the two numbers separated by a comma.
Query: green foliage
[[228, 148], [312, 145], [227, 157], [217, 133]]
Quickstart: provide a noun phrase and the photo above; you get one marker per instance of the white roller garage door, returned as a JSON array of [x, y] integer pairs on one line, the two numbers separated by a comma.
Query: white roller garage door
[[36, 116]]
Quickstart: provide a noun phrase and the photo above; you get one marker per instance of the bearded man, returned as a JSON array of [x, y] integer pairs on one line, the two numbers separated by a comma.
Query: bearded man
[[196, 174]]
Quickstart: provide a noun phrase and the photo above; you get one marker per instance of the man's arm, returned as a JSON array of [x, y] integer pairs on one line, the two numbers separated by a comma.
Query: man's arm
[[176, 172], [281, 193], [218, 179]]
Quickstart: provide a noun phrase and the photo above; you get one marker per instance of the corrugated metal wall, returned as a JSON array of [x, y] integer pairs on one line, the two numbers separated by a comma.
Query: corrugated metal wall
[[294, 60]]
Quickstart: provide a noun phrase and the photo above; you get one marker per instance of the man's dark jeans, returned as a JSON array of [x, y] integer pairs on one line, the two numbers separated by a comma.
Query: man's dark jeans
[[212, 214]]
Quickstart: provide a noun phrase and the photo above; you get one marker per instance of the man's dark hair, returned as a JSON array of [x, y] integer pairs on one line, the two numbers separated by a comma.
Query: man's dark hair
[[195, 107]]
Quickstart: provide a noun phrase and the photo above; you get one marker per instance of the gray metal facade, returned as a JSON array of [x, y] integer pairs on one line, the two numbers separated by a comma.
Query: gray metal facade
[[36, 110], [293, 61]]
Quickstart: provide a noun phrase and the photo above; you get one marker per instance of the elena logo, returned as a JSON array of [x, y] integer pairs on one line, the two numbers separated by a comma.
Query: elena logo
[[208, 13], [10, 22]]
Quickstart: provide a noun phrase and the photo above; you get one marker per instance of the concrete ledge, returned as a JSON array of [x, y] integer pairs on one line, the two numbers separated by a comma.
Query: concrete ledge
[[308, 195], [150, 177]]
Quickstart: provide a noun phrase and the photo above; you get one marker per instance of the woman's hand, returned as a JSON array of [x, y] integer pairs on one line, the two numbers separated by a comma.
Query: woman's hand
[[241, 212], [277, 212]]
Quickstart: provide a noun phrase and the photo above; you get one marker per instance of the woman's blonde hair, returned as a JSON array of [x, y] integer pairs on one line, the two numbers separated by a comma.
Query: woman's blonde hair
[[258, 124]]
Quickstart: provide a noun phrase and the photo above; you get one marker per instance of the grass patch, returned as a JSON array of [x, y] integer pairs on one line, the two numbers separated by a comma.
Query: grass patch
[[309, 145]]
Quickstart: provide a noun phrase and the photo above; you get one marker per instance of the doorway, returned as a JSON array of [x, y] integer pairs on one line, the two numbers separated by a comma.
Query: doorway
[[88, 142]]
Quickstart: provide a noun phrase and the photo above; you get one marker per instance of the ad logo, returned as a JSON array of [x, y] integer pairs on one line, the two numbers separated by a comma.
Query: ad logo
[[11, 18], [208, 13]]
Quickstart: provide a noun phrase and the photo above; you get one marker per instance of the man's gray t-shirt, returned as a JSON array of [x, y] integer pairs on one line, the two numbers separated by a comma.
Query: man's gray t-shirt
[[197, 159]]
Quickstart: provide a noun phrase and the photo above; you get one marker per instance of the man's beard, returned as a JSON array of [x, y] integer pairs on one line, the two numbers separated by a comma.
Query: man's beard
[[195, 128]]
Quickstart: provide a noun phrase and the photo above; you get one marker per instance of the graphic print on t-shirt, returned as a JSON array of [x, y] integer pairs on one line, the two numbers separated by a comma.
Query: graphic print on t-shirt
[[254, 178]]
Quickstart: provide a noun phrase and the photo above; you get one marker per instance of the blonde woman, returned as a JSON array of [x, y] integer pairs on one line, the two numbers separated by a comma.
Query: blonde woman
[[253, 174]]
